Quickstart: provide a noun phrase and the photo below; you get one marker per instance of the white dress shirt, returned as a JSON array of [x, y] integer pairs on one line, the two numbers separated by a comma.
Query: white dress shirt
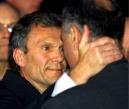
[[62, 84]]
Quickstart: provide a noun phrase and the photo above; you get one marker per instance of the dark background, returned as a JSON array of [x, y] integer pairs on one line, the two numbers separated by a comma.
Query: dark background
[[57, 5], [124, 6]]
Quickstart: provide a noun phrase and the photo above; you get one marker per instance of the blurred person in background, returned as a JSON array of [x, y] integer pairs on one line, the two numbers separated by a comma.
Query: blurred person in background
[[26, 6], [125, 42], [8, 17]]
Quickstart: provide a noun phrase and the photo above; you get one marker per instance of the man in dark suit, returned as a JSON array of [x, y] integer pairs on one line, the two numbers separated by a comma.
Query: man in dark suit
[[36, 61], [109, 89]]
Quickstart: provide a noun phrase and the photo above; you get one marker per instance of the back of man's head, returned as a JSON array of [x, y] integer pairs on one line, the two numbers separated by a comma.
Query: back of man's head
[[103, 17]]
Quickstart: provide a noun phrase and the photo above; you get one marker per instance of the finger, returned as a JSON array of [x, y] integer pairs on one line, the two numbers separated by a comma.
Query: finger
[[107, 56], [102, 41], [113, 58], [110, 55], [108, 46], [85, 37]]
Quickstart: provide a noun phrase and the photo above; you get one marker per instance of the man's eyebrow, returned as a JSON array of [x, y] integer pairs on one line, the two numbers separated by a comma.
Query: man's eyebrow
[[12, 23]]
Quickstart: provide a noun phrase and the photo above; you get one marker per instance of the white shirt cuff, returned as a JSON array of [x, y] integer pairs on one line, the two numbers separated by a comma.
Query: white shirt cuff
[[62, 84]]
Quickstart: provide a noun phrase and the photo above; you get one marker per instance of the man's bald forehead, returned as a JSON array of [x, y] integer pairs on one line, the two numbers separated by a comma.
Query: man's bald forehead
[[106, 4]]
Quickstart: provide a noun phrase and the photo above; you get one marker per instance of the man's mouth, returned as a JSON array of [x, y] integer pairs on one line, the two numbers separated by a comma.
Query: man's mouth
[[4, 43], [54, 69]]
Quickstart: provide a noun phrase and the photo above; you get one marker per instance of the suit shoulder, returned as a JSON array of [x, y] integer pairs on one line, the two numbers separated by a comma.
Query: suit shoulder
[[7, 99]]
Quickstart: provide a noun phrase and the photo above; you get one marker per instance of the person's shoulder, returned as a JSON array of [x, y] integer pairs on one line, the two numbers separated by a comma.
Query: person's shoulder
[[77, 98], [7, 99], [56, 103]]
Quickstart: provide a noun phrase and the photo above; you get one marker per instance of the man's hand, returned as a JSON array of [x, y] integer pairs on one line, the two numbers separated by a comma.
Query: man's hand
[[94, 56]]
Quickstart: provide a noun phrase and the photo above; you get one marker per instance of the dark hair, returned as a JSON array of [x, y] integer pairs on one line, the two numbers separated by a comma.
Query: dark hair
[[19, 35], [2, 1], [124, 6], [101, 20]]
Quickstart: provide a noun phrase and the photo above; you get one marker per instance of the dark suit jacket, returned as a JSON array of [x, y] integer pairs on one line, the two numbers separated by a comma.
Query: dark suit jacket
[[17, 93], [107, 90]]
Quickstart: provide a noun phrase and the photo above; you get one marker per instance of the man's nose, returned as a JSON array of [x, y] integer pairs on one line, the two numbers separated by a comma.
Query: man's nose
[[5, 33], [58, 56]]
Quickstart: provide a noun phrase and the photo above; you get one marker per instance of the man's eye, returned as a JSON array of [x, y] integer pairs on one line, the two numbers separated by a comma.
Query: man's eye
[[61, 49], [46, 48]]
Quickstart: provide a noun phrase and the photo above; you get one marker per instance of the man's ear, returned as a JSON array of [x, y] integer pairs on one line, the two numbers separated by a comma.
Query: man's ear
[[75, 36], [19, 57]]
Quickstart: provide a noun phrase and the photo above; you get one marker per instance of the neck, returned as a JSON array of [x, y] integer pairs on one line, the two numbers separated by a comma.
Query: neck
[[39, 86]]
